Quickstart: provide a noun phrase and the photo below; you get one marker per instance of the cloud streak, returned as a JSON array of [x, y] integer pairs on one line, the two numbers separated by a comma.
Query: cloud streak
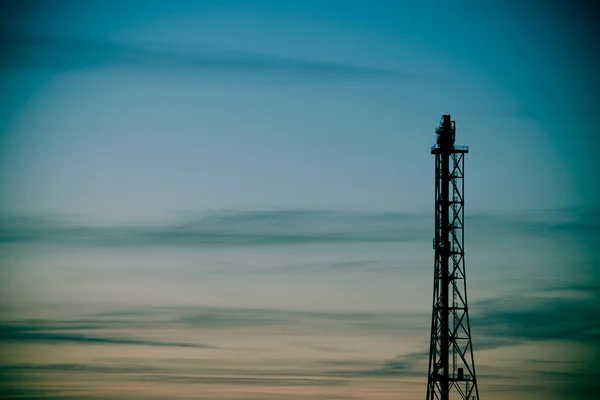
[[16, 333], [63, 53], [495, 325], [527, 319], [225, 229], [400, 366], [289, 227]]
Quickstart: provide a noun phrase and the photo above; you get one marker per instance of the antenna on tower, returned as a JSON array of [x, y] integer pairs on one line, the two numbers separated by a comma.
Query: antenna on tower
[[451, 363]]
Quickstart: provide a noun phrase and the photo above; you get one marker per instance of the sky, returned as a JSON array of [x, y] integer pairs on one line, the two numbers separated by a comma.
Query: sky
[[234, 199]]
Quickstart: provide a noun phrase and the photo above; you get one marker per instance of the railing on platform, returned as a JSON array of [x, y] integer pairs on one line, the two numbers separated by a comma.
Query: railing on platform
[[456, 148]]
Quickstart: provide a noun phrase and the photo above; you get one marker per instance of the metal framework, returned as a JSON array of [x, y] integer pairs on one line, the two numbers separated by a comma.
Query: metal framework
[[451, 363]]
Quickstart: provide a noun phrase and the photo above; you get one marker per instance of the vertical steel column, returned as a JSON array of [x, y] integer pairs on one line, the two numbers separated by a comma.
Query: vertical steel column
[[444, 204]]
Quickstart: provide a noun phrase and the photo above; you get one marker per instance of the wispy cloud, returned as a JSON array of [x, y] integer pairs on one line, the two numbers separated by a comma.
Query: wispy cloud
[[225, 229], [288, 227], [528, 319], [403, 365], [133, 325], [495, 325], [63, 53], [320, 323], [244, 381], [358, 265], [40, 333], [570, 221]]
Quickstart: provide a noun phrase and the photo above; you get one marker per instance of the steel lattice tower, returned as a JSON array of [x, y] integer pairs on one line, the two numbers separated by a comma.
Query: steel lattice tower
[[451, 363]]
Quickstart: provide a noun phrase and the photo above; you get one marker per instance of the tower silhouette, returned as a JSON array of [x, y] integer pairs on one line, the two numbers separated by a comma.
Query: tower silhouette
[[451, 363]]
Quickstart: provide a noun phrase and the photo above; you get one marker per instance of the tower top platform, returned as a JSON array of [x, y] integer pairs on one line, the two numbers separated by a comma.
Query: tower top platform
[[437, 149]]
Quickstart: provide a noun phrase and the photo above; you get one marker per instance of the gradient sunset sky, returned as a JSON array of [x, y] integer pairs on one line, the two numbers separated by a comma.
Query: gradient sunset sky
[[234, 199]]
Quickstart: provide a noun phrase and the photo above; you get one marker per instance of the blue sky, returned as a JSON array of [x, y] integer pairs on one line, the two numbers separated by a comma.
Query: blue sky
[[224, 170], [295, 106]]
